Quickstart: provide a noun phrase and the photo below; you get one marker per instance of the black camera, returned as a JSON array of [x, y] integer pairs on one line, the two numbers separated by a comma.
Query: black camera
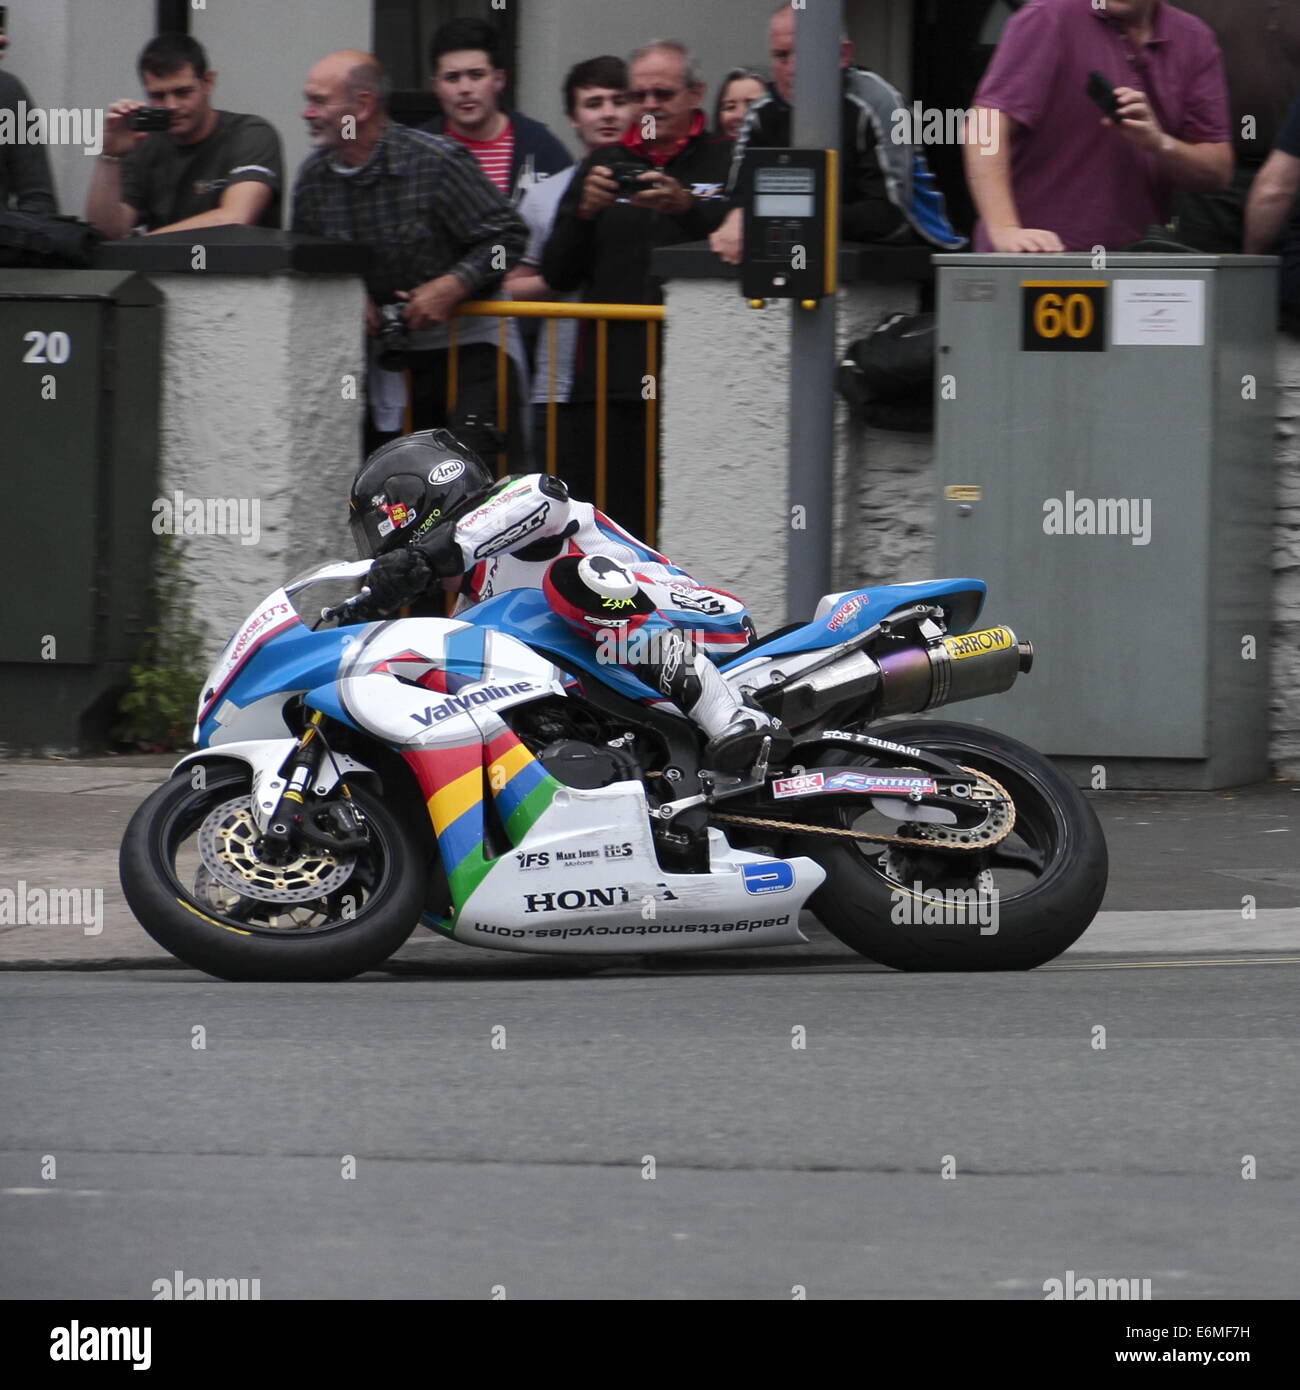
[[628, 178], [151, 118], [394, 340]]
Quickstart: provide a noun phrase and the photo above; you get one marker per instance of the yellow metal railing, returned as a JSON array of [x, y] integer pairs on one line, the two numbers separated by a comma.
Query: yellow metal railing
[[652, 315]]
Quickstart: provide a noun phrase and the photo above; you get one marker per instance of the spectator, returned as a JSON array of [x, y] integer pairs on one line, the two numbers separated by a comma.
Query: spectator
[[468, 79], [25, 183], [886, 190], [602, 242], [210, 169], [740, 89], [440, 232], [595, 97], [1273, 196], [1260, 42], [1060, 176]]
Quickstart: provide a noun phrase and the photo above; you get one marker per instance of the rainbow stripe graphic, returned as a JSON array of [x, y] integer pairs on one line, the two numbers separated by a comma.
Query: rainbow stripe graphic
[[458, 780]]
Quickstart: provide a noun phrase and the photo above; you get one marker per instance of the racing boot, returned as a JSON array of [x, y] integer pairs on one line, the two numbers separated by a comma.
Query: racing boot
[[736, 731]]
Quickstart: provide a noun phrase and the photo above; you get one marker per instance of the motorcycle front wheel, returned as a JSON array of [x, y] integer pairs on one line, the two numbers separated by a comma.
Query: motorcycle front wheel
[[194, 875], [1012, 906]]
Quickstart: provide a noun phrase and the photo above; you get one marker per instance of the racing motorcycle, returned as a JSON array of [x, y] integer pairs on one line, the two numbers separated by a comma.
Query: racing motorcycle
[[494, 779]]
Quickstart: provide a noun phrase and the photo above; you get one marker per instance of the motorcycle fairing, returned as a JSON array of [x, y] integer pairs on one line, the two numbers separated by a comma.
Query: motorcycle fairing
[[841, 617]]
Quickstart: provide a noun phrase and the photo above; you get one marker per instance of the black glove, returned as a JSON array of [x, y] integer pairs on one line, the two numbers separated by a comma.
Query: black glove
[[398, 578], [441, 552]]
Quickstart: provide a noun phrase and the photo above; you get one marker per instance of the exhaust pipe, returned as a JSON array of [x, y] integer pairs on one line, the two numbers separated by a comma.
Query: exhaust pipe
[[913, 679]]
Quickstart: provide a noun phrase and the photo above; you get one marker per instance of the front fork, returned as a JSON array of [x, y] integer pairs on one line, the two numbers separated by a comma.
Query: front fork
[[288, 820]]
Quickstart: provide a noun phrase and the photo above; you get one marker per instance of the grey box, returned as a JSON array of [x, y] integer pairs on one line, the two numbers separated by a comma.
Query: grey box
[[1074, 397], [81, 353]]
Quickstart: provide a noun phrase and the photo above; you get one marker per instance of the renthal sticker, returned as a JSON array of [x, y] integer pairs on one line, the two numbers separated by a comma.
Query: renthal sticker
[[775, 876], [845, 611], [514, 533], [877, 783], [797, 786], [447, 471], [992, 639], [458, 704]]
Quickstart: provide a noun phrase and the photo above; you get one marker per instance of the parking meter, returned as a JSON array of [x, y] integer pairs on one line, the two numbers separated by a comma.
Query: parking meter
[[788, 198]]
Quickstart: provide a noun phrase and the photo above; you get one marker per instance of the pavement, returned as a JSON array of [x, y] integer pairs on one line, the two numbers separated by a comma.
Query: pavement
[[1191, 873]]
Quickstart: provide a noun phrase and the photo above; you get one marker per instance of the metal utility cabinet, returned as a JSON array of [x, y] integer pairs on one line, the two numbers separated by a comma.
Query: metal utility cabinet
[[1104, 461], [78, 456]]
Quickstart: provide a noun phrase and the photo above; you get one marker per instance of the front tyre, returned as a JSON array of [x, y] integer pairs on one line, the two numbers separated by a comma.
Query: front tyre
[[319, 917], [1011, 907]]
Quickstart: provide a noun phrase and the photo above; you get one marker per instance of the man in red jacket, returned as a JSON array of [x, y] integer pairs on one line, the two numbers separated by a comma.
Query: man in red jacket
[[673, 176]]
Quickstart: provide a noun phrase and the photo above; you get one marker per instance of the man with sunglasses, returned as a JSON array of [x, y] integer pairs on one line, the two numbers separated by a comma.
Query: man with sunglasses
[[661, 184]]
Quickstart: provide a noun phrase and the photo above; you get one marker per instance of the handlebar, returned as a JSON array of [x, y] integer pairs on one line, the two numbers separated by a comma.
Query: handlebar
[[347, 605]]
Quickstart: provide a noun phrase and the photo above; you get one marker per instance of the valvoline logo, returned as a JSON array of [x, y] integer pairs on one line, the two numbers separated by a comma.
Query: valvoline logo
[[774, 876]]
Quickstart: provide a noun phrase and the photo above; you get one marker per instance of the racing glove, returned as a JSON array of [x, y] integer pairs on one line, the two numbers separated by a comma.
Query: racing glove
[[397, 578]]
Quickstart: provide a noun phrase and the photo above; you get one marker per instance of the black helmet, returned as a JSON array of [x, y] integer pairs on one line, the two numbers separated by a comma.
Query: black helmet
[[409, 486]]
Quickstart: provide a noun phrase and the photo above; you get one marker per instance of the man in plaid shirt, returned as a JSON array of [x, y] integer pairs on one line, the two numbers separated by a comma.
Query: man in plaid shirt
[[441, 233]]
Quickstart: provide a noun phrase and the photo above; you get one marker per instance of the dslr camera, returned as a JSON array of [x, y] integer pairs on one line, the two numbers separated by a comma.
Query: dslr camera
[[394, 340]]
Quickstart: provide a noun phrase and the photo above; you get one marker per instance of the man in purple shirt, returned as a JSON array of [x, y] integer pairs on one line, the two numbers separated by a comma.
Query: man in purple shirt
[[1064, 177]]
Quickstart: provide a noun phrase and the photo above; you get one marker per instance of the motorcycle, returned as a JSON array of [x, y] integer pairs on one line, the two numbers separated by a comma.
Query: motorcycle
[[496, 779]]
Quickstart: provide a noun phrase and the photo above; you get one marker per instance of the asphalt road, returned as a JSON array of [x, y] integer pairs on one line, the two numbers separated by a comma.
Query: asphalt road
[[524, 1168]]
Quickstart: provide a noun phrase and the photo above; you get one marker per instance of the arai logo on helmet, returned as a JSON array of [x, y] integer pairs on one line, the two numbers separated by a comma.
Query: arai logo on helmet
[[447, 471]]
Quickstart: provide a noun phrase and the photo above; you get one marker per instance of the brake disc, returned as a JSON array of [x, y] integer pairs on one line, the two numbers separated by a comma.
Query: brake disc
[[227, 845]]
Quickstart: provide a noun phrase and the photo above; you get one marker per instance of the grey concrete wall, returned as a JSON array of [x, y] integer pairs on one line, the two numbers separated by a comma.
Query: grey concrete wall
[[254, 408], [725, 393]]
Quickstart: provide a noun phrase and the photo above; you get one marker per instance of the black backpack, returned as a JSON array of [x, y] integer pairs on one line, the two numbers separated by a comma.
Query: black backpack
[[42, 241], [887, 378]]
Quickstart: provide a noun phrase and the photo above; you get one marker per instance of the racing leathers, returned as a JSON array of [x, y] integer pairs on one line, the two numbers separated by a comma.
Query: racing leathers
[[528, 533]]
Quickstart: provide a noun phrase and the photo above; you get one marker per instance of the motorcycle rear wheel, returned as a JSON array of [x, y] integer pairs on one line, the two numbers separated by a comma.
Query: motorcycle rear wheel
[[1012, 907]]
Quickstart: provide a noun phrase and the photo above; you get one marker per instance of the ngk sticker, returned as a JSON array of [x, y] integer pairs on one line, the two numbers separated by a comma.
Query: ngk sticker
[[798, 786]]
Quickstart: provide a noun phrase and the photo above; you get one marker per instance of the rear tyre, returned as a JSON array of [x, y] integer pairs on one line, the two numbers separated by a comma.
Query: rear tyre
[[1012, 907], [368, 902]]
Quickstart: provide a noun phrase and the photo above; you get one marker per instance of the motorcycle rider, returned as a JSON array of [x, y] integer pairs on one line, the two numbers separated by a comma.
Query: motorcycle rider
[[429, 513]]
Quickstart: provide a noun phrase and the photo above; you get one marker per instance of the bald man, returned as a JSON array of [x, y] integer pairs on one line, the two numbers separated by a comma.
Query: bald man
[[440, 231]]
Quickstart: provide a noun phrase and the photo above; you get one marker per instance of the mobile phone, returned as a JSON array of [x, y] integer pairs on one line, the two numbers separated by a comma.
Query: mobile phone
[[1100, 90], [151, 118]]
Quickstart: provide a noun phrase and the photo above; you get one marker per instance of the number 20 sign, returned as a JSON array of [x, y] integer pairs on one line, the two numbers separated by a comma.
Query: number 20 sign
[[1063, 316]]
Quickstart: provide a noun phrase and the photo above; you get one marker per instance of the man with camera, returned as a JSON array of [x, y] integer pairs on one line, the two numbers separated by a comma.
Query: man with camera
[[661, 184], [440, 233], [175, 163]]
